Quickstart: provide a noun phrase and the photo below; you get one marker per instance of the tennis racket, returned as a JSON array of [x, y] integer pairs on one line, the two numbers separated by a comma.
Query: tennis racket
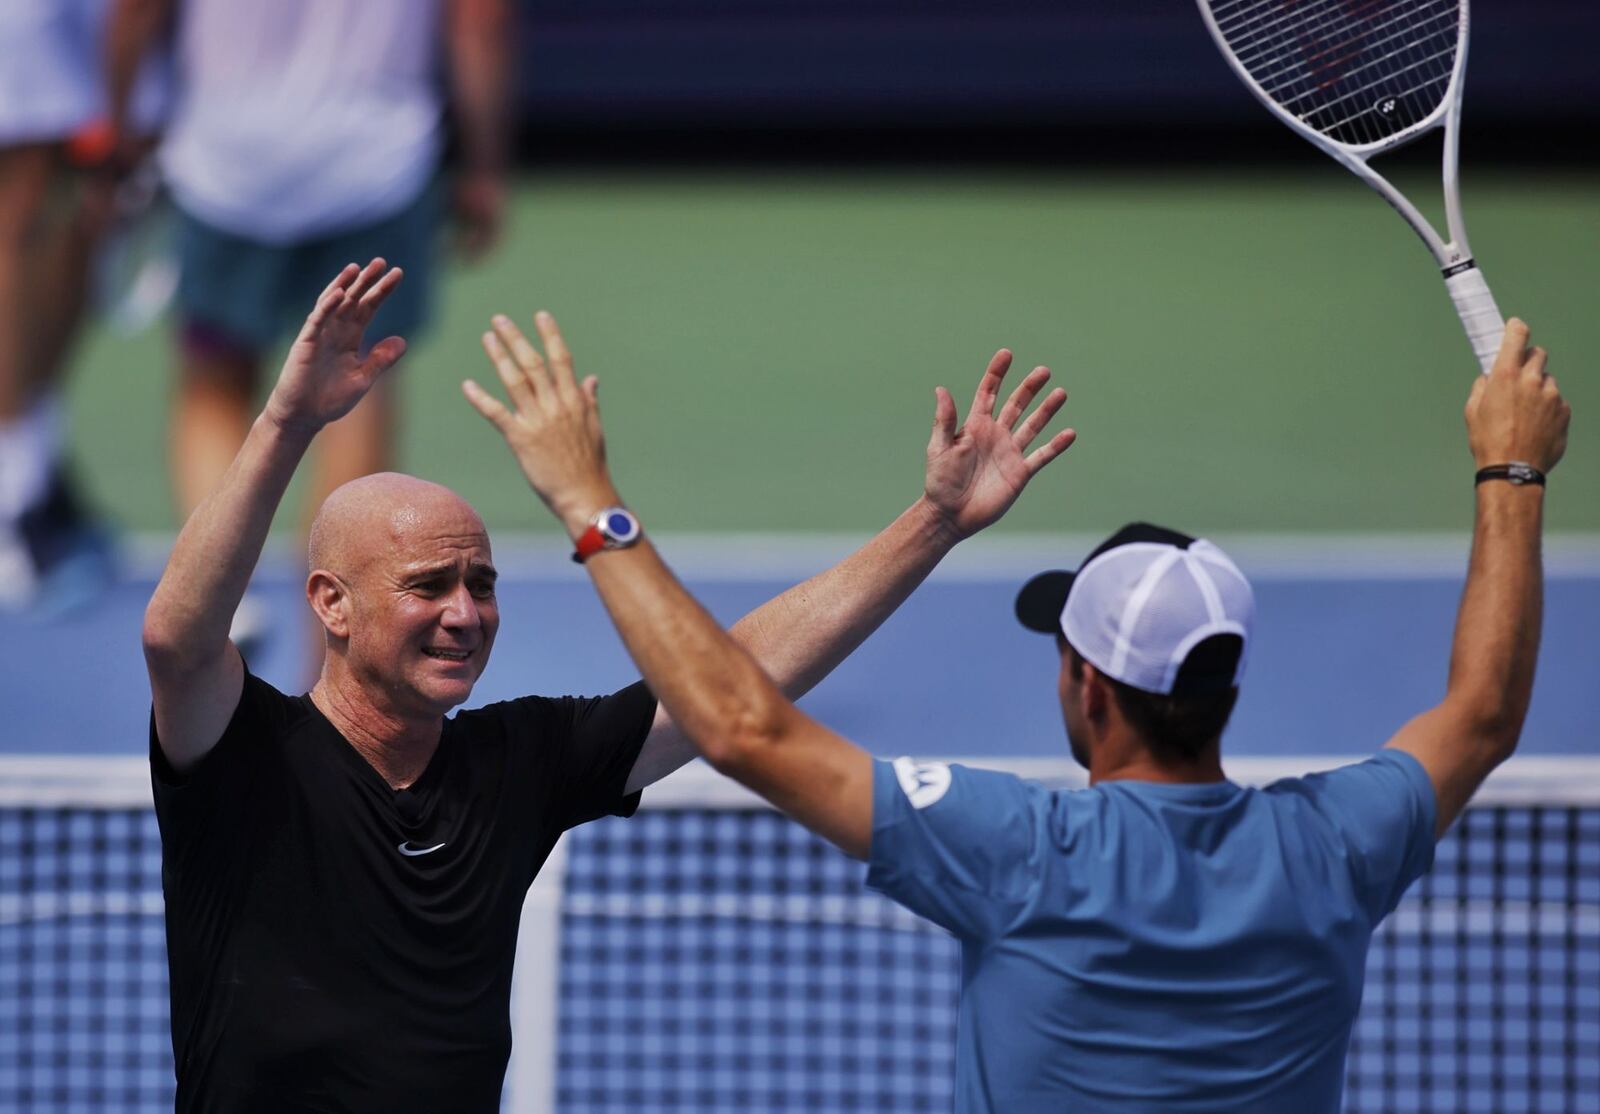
[[136, 273], [1361, 77]]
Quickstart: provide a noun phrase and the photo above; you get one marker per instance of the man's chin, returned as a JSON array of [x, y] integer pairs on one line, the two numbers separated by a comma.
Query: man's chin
[[444, 693]]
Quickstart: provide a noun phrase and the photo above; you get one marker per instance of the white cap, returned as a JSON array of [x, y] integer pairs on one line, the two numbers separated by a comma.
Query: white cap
[[1152, 608]]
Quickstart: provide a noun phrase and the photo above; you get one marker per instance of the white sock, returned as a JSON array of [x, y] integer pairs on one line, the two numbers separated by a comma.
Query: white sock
[[28, 450]]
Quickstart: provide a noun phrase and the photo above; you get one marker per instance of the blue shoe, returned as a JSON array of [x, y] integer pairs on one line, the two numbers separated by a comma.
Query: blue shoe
[[72, 557]]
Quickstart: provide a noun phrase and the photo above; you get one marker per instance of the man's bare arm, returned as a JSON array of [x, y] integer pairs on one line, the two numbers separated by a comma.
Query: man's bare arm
[[801, 636], [1515, 413], [720, 698], [716, 692], [479, 34], [973, 475], [134, 29], [196, 674]]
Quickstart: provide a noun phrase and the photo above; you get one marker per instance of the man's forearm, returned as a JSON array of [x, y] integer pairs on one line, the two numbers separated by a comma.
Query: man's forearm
[[801, 636], [1497, 630], [133, 30], [1515, 414], [479, 46], [713, 689], [217, 550], [720, 698]]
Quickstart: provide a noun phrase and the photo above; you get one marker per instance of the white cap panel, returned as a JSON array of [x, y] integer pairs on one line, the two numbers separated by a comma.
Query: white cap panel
[[1137, 610]]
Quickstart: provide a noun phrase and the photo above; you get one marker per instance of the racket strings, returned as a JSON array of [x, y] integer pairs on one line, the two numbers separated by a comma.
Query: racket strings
[[1319, 61], [1401, 37], [1268, 36], [1336, 48], [1357, 71]]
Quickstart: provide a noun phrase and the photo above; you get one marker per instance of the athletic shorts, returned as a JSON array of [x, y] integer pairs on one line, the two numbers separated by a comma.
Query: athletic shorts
[[253, 294], [49, 71]]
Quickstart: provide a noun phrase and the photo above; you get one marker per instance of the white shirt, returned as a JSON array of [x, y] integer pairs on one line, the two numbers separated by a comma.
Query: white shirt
[[300, 118], [52, 79]]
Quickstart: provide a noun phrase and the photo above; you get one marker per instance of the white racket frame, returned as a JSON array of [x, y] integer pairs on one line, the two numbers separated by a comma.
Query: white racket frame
[[1474, 302], [133, 295]]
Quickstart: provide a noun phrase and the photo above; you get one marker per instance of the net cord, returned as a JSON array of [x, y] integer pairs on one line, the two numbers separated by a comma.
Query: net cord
[[98, 782]]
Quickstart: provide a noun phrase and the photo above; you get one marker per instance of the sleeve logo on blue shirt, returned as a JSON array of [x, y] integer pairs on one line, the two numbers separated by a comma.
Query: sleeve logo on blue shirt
[[923, 782]]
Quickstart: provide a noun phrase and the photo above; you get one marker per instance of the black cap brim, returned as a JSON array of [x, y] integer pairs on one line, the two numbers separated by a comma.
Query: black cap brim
[[1042, 599]]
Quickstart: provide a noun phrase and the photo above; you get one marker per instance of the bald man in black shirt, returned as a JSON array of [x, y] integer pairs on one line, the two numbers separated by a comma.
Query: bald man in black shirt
[[344, 870], [342, 907]]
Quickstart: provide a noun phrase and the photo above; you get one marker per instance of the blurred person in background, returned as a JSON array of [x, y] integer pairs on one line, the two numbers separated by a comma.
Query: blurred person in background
[[306, 134], [55, 204]]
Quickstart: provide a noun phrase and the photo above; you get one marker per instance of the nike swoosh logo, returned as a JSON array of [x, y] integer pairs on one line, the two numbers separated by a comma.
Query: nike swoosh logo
[[412, 852]]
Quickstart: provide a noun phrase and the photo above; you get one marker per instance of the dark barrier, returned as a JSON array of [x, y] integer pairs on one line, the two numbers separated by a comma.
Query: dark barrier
[[699, 64]]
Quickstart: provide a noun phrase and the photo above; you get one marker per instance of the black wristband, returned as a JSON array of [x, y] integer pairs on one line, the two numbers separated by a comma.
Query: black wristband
[[1516, 473]]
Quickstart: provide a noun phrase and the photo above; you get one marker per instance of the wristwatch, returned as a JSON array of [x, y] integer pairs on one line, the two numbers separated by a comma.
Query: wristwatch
[[1516, 472], [612, 528]]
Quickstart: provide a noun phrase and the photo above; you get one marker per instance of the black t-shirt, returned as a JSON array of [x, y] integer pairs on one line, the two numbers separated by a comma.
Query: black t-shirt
[[338, 945]]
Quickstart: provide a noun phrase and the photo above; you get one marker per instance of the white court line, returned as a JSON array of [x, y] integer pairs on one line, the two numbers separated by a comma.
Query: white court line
[[743, 557]]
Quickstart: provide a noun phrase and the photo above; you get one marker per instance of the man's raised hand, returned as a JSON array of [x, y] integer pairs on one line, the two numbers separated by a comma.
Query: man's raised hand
[[1516, 412], [553, 423], [326, 373], [976, 472]]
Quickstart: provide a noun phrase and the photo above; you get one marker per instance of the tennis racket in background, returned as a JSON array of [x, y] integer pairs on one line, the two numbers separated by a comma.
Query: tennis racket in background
[[1361, 77], [136, 271]]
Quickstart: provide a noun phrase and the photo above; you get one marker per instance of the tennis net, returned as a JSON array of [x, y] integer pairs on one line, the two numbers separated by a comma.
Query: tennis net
[[714, 957]]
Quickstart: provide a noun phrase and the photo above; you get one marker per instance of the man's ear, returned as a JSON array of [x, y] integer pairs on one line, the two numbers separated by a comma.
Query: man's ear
[[330, 599], [1097, 694]]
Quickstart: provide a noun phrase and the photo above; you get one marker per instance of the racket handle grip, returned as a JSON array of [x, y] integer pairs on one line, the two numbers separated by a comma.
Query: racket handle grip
[[1479, 315]]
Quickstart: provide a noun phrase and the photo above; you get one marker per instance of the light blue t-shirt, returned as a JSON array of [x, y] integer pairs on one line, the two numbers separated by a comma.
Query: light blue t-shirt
[[1140, 946]]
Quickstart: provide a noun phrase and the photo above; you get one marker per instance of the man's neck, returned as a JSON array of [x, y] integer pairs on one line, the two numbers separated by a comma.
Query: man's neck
[[397, 746], [1124, 757]]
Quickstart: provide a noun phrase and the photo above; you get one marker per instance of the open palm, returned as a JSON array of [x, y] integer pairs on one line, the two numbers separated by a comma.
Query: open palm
[[976, 472], [326, 374]]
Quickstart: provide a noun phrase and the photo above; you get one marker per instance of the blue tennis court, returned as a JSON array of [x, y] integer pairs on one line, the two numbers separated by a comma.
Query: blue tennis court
[[1351, 641]]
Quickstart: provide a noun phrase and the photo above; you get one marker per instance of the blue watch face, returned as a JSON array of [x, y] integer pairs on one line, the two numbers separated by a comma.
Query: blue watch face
[[621, 526]]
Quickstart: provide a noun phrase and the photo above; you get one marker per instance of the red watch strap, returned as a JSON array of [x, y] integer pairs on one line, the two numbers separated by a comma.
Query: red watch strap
[[590, 542]]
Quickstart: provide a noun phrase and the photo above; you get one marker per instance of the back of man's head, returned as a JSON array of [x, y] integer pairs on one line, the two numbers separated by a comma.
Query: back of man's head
[[1164, 619], [1177, 728]]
